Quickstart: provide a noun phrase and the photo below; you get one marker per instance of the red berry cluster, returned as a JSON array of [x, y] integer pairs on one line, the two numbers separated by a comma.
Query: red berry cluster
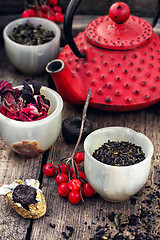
[[70, 184], [51, 11]]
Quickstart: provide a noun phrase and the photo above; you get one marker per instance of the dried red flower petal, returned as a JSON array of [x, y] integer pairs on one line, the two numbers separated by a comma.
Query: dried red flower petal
[[25, 104]]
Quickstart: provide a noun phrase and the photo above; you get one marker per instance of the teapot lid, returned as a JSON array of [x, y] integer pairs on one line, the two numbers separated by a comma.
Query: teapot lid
[[119, 30]]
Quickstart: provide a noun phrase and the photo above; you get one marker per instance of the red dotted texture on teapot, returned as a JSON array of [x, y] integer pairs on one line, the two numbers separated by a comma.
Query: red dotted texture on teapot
[[105, 33], [119, 80]]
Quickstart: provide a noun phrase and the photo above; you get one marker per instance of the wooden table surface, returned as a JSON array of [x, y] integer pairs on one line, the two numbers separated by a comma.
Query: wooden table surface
[[90, 218]]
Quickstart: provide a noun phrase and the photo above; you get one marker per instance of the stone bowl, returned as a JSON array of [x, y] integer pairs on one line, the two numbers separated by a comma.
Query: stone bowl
[[30, 139], [32, 60], [116, 183]]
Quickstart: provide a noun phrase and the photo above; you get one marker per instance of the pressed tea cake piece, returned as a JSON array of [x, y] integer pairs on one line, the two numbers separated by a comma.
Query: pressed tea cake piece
[[25, 198]]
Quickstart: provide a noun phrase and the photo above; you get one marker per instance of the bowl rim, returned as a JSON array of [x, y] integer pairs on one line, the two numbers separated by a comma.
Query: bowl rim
[[147, 158], [23, 20], [54, 114]]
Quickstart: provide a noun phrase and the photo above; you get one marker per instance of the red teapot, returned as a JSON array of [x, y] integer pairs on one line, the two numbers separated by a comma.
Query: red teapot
[[117, 57]]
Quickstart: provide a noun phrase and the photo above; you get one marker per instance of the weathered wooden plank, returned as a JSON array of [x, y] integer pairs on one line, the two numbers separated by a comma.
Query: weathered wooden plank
[[12, 166], [87, 7], [11, 7]]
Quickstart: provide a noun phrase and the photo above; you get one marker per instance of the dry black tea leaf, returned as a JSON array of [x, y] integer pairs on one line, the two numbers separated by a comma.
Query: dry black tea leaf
[[119, 153], [121, 220], [28, 34]]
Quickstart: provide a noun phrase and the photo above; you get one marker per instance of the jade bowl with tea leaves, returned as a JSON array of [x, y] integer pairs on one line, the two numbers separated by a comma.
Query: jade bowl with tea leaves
[[117, 183], [30, 139], [32, 59]]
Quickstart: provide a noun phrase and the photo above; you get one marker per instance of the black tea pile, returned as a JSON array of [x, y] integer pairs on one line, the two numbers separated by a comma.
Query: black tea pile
[[28, 34], [119, 153]]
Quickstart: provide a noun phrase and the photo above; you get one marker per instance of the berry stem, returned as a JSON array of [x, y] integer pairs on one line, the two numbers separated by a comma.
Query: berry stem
[[84, 114], [71, 159]]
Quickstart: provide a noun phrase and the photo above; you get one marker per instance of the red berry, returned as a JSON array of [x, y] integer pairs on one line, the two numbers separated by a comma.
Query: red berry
[[59, 17], [79, 157], [53, 2], [49, 169], [63, 189], [35, 8], [50, 9], [119, 12], [63, 168], [71, 169], [57, 8], [74, 184], [81, 175], [88, 190], [61, 178], [26, 13], [32, 12], [74, 197], [44, 8], [51, 17], [43, 14]]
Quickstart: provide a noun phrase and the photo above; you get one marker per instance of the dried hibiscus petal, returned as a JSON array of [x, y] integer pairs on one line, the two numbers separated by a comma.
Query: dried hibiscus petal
[[5, 87], [27, 93], [23, 105], [36, 87]]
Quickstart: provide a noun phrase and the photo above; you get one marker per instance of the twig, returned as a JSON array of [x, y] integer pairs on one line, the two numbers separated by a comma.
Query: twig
[[84, 114]]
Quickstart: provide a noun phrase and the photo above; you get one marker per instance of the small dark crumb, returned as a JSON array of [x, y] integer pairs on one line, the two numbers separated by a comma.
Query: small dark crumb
[[70, 229], [98, 235], [111, 216], [121, 237], [65, 235], [97, 218], [85, 223], [89, 227], [98, 228], [52, 225], [133, 200], [133, 220]]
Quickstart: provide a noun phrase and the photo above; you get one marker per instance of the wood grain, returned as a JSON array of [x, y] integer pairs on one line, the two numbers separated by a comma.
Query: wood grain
[[92, 215]]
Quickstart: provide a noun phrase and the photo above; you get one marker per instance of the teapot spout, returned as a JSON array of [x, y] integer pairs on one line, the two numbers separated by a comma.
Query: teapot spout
[[62, 77], [55, 66]]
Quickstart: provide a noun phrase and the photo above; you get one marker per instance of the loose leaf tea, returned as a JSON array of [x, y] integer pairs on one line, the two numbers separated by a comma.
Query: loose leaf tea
[[26, 104], [119, 153], [121, 220], [28, 34]]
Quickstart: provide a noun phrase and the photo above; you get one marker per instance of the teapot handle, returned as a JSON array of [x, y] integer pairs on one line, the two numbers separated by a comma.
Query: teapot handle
[[157, 13], [67, 27]]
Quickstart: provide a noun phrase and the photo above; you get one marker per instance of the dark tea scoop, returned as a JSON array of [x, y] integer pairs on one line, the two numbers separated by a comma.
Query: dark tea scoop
[[25, 195]]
